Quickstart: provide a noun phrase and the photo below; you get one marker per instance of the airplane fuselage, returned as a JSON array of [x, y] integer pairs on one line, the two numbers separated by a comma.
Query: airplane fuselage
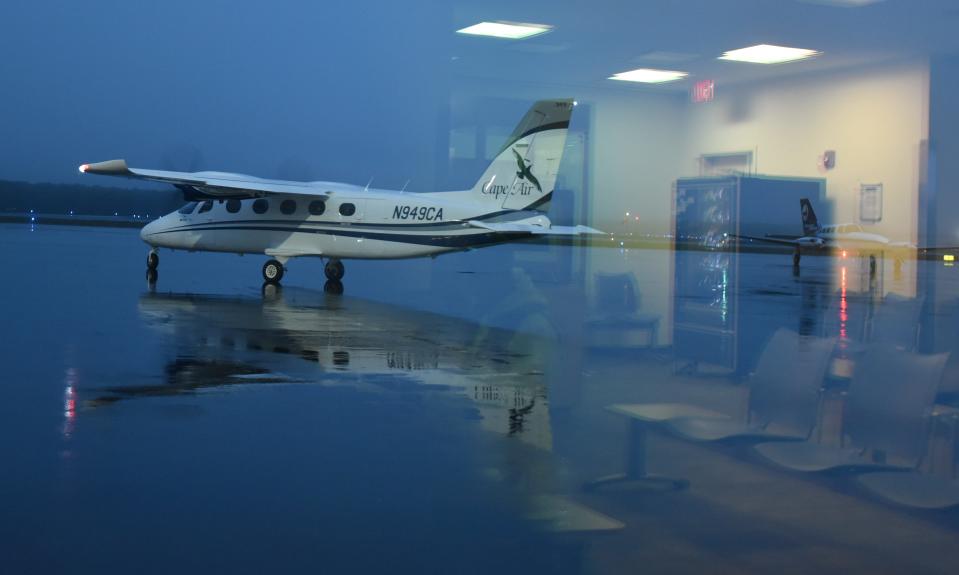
[[350, 223], [852, 237]]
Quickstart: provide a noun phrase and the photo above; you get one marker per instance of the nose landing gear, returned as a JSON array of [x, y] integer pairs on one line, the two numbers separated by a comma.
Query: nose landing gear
[[153, 260], [334, 270]]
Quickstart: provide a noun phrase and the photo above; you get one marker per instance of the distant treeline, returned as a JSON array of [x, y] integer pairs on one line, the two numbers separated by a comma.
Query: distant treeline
[[21, 197]]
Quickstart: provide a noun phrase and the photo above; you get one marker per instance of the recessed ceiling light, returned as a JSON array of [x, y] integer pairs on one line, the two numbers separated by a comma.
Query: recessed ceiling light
[[649, 76], [511, 30], [768, 54]]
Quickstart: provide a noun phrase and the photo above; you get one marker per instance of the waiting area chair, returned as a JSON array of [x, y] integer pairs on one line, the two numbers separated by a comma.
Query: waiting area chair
[[784, 404], [784, 395], [885, 421], [616, 318]]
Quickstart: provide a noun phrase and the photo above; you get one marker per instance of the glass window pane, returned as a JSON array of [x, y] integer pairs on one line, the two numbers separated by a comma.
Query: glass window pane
[[317, 207], [188, 209]]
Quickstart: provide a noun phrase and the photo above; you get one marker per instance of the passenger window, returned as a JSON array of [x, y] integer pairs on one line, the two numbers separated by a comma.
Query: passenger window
[[288, 207], [317, 207], [188, 209], [261, 206], [347, 209], [206, 206], [233, 206]]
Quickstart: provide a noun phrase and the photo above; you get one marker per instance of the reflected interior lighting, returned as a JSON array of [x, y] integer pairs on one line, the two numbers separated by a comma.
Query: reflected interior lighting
[[649, 76], [843, 310], [510, 30], [70, 401], [768, 54], [844, 3]]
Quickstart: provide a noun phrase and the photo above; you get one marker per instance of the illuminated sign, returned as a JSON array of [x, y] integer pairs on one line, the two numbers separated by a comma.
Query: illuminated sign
[[704, 91]]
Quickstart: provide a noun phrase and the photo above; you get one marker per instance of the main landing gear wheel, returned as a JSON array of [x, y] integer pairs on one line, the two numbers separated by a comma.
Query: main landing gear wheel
[[334, 270], [272, 272], [153, 260]]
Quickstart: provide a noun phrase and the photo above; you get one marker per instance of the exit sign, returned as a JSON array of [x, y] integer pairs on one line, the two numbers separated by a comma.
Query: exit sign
[[704, 91]]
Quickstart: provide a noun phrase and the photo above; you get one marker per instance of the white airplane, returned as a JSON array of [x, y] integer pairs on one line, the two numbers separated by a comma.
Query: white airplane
[[839, 236], [284, 219]]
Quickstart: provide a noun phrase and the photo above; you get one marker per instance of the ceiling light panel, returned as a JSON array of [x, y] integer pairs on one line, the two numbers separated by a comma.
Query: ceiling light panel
[[649, 76], [768, 54], [510, 30]]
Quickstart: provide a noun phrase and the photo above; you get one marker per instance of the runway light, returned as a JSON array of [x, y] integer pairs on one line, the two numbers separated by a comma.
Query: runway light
[[768, 54], [649, 76], [948, 258], [509, 30], [844, 254]]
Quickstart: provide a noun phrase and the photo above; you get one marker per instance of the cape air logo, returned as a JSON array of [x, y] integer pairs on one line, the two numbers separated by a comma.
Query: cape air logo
[[524, 172]]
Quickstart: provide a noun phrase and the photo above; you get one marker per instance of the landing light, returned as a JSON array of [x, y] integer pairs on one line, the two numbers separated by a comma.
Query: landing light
[[948, 258], [768, 54], [84, 168], [510, 30], [649, 76]]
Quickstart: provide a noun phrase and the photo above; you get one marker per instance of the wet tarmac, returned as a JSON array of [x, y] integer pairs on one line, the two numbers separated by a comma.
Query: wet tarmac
[[458, 414]]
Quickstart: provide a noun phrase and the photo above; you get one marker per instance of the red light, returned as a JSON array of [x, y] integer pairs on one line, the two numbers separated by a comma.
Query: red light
[[704, 91]]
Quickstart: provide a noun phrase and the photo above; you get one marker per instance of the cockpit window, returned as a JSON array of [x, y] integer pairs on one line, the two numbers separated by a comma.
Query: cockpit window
[[188, 209], [206, 206]]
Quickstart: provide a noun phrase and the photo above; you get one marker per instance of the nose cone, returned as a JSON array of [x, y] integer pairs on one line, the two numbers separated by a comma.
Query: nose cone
[[147, 233]]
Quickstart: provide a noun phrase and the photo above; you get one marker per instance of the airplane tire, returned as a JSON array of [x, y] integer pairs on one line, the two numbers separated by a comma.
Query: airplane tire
[[272, 272], [333, 287], [153, 261], [334, 270]]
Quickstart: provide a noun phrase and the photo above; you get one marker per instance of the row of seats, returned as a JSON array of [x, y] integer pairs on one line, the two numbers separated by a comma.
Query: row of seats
[[887, 413]]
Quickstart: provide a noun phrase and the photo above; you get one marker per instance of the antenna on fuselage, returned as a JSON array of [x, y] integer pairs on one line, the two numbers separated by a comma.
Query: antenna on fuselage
[[404, 186], [367, 188]]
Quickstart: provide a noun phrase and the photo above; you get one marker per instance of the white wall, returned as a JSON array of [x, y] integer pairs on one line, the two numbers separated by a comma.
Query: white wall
[[875, 119]]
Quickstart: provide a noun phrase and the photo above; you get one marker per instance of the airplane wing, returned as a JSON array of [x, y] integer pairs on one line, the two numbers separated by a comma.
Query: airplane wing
[[517, 227], [769, 239], [208, 184]]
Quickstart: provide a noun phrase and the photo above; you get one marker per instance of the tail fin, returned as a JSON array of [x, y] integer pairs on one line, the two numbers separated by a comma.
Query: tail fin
[[523, 174], [810, 225]]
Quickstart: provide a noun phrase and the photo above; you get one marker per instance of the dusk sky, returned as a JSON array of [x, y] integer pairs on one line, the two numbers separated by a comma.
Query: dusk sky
[[305, 90]]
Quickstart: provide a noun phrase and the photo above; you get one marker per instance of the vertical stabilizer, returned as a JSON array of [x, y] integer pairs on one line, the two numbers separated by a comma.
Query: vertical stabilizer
[[810, 225], [523, 174]]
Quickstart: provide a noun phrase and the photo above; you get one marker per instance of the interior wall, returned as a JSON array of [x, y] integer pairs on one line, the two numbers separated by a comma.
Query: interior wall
[[874, 119]]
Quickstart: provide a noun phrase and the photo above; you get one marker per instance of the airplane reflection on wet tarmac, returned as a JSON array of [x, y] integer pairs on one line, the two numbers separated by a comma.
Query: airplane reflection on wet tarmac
[[224, 341]]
